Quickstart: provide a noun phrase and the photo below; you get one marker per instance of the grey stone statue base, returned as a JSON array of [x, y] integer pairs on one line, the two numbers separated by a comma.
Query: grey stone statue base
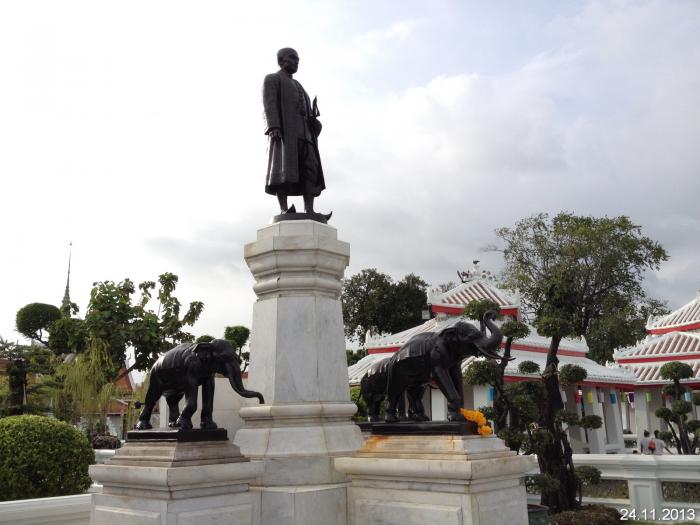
[[298, 363], [446, 479], [150, 482]]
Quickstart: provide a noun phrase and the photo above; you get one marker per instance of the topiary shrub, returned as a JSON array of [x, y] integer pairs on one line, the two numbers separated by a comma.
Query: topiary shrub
[[587, 515], [102, 441], [42, 457]]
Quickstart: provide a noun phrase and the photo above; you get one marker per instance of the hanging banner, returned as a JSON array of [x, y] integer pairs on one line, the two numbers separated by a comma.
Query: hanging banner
[[631, 397], [492, 392], [589, 397], [563, 395], [613, 398], [688, 397], [601, 395], [647, 396]]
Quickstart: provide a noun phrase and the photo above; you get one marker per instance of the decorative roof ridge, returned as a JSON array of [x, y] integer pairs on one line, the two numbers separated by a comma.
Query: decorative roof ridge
[[390, 340], [655, 322], [648, 341], [435, 296]]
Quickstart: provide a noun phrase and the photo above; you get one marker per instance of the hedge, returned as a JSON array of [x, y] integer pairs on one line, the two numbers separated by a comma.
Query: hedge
[[42, 457]]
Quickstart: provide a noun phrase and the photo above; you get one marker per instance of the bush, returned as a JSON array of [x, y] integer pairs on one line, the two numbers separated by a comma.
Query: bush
[[587, 515], [42, 457], [106, 441]]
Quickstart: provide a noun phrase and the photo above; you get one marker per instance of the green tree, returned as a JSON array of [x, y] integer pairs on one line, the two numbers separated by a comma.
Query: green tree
[[353, 356], [373, 301], [117, 322], [686, 434], [34, 319], [238, 337], [572, 271], [624, 325], [89, 383]]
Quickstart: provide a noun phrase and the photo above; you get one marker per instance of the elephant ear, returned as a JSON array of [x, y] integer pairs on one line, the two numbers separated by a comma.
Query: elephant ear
[[203, 350]]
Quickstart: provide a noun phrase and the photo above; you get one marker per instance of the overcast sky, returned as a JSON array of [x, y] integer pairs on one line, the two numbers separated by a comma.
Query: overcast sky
[[134, 130]]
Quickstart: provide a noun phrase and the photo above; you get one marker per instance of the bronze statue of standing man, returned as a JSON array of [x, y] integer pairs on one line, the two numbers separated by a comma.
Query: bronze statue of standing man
[[292, 127]]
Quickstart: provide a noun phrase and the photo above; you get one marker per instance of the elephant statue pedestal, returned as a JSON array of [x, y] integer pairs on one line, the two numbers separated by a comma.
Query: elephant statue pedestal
[[298, 363], [443, 477], [176, 476]]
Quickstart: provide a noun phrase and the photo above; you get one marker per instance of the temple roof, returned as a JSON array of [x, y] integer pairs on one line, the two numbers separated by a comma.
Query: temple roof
[[533, 342], [479, 286], [645, 360], [597, 374], [687, 317], [650, 373]]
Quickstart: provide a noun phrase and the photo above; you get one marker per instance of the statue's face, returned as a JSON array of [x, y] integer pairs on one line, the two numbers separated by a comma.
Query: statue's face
[[290, 62]]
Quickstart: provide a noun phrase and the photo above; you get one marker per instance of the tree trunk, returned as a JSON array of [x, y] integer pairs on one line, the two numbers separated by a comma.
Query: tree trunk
[[501, 406], [555, 460], [682, 432]]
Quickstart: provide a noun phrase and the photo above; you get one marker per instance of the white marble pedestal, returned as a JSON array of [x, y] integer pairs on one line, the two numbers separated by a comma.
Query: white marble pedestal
[[171, 483], [446, 479], [298, 363]]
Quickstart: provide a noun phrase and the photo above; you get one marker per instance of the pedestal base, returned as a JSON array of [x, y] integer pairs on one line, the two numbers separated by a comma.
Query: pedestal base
[[176, 483], [451, 480]]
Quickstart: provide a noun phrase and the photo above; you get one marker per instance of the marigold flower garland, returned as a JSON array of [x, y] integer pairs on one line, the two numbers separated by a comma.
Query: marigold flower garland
[[477, 417]]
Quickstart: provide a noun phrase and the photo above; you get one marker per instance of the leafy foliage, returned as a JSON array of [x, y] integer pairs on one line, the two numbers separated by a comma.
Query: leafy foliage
[[88, 383], [676, 371], [528, 367], [685, 437], [353, 356], [238, 337], [373, 301], [573, 273], [116, 321], [34, 319], [205, 338], [356, 397], [476, 309], [570, 374], [42, 457]]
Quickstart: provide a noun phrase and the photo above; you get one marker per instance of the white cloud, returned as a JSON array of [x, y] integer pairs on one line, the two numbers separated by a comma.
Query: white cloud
[[136, 133]]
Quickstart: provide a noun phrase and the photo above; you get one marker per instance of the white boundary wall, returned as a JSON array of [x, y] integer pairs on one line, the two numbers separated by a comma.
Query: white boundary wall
[[644, 475]]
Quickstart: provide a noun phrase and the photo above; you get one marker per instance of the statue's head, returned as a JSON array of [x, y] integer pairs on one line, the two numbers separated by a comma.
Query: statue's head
[[288, 59]]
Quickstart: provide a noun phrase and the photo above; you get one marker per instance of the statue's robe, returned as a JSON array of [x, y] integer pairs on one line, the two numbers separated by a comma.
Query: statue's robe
[[294, 165]]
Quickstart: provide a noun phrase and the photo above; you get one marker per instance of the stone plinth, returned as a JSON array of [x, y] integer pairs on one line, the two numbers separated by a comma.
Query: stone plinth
[[446, 479], [171, 482], [298, 363]]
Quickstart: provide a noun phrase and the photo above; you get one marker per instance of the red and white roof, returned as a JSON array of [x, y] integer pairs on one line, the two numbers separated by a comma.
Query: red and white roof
[[473, 288], [532, 343], [646, 360], [534, 347], [597, 374], [686, 318]]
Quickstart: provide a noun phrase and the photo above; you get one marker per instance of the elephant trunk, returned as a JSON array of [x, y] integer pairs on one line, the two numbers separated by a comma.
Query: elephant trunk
[[233, 372], [487, 344]]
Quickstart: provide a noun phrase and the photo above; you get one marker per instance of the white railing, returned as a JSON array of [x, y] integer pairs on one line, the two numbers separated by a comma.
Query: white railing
[[647, 478], [63, 510]]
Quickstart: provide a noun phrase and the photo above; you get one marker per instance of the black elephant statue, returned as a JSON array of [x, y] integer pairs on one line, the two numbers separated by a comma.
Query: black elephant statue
[[373, 390], [438, 356], [181, 370]]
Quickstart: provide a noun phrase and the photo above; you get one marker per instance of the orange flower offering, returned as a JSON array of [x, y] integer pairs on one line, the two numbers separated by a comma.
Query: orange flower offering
[[474, 416], [485, 430]]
